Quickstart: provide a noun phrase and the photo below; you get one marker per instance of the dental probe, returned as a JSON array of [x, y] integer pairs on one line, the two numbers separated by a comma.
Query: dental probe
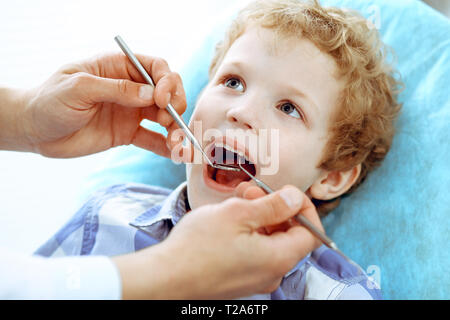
[[169, 107], [300, 218]]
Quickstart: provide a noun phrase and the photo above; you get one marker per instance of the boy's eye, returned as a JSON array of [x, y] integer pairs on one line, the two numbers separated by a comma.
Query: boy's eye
[[289, 109], [234, 83]]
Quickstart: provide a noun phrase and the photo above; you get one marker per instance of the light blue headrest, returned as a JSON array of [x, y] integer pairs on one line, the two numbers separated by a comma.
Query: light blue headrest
[[396, 225]]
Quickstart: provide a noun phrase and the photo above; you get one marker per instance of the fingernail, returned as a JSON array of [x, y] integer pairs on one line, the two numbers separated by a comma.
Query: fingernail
[[169, 96], [146, 92], [292, 197]]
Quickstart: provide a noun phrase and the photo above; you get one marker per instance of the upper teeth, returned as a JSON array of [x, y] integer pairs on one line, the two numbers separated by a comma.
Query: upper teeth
[[241, 154]]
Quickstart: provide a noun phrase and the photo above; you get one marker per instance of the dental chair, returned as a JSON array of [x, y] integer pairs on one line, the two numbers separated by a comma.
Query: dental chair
[[396, 226]]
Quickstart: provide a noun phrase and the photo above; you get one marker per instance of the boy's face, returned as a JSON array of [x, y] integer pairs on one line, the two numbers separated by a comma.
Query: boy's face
[[269, 83]]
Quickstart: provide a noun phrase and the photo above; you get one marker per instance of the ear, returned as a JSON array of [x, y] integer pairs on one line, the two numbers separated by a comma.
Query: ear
[[335, 183]]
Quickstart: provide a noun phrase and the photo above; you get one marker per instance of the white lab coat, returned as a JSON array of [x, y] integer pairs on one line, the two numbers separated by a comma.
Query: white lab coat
[[33, 277]]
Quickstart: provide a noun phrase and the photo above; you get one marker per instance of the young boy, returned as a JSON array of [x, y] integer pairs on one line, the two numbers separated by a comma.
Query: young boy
[[317, 77]]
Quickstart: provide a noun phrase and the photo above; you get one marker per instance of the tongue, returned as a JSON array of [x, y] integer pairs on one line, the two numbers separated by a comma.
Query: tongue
[[230, 178]]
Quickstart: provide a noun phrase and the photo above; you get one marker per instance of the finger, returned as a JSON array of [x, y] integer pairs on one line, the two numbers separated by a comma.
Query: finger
[[254, 192], [299, 233], [150, 113], [248, 190], [124, 92], [295, 229], [115, 66], [291, 246], [309, 211], [164, 94], [175, 135], [158, 68], [118, 66], [164, 118], [240, 189], [276, 207], [152, 141], [147, 63], [169, 89], [170, 82]]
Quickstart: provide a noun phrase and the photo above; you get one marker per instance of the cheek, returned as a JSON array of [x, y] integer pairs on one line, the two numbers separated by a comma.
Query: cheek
[[197, 115], [205, 114], [199, 123], [209, 102], [298, 162]]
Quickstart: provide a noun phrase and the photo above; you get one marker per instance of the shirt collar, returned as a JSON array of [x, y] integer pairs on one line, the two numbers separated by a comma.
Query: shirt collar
[[172, 208]]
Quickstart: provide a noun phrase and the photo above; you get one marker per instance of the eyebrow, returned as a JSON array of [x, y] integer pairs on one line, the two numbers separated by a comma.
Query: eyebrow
[[235, 64]]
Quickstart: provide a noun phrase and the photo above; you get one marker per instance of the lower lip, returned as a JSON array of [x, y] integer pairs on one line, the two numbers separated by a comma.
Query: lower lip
[[213, 184]]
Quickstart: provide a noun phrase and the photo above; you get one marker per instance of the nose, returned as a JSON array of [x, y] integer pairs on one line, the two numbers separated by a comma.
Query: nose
[[243, 117]]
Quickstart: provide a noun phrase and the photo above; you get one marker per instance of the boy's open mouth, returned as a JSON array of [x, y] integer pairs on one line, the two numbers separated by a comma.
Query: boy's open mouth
[[224, 180]]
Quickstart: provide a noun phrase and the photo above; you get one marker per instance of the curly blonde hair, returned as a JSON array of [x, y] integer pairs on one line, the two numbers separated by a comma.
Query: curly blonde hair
[[362, 126]]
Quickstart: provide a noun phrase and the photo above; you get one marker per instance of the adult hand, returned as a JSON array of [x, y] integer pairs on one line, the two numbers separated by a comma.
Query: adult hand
[[216, 251], [99, 103]]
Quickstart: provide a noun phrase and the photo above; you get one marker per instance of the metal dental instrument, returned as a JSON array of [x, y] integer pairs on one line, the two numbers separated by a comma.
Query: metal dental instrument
[[169, 107], [300, 218]]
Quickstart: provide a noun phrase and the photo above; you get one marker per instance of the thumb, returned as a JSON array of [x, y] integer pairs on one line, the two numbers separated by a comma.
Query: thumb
[[276, 207], [121, 91]]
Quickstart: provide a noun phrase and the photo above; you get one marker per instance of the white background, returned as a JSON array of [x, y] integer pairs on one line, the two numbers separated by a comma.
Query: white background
[[37, 194]]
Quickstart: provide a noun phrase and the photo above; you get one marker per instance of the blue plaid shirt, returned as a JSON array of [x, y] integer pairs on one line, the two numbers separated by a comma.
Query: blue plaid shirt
[[102, 227]]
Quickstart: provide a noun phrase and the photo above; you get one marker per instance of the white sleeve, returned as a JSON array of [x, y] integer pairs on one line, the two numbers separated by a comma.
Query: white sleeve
[[33, 277]]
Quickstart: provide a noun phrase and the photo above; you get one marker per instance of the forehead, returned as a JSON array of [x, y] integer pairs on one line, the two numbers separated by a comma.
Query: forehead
[[258, 46]]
